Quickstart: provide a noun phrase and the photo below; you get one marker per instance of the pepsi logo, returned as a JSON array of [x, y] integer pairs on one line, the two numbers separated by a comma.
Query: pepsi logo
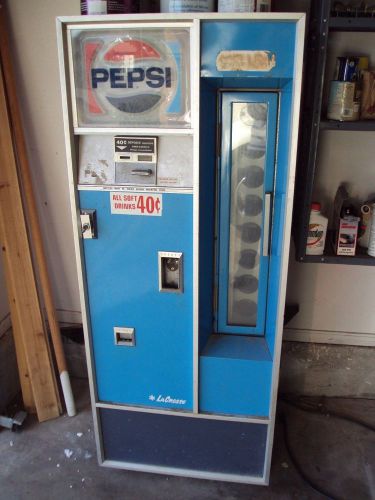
[[129, 76]]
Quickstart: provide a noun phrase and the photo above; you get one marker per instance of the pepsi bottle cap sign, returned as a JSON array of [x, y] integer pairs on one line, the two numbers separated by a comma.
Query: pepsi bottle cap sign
[[132, 78]]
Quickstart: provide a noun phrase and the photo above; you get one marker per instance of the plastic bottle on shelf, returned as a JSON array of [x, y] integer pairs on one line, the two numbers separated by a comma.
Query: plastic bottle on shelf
[[317, 233], [371, 244], [365, 225], [99, 7]]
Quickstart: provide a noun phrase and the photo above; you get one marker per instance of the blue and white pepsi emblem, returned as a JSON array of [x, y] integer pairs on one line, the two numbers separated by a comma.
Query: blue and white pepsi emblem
[[129, 76]]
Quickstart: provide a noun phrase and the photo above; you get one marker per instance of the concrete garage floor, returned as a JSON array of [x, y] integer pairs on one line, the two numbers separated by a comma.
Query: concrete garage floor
[[57, 460]]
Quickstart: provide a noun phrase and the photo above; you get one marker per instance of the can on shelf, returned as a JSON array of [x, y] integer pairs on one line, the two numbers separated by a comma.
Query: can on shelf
[[187, 5], [99, 7], [342, 105], [346, 69], [236, 5]]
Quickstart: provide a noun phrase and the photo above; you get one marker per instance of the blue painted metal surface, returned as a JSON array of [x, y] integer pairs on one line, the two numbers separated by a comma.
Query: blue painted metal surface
[[123, 291], [225, 194], [235, 375], [275, 37], [122, 265], [236, 370]]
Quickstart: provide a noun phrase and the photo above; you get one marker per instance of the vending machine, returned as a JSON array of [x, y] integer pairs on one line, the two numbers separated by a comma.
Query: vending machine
[[181, 136]]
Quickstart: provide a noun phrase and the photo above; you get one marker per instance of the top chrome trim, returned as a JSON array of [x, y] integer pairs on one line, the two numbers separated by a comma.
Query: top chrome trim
[[127, 23], [132, 131], [180, 18]]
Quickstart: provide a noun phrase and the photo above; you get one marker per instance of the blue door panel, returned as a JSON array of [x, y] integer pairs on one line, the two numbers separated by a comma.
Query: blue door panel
[[123, 291]]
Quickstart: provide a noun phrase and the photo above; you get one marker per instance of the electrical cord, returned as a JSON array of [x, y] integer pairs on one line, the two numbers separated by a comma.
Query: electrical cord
[[305, 404], [298, 467]]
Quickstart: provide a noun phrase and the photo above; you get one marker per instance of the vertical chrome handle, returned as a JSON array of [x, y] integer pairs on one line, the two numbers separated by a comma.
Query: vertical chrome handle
[[267, 224]]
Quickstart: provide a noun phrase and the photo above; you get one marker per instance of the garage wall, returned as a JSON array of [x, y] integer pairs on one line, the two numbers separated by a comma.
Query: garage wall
[[335, 301], [32, 25]]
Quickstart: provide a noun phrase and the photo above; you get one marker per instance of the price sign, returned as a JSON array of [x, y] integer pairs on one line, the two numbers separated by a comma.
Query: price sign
[[136, 203]]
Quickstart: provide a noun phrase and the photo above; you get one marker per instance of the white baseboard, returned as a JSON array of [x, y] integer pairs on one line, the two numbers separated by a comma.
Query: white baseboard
[[5, 324], [329, 337]]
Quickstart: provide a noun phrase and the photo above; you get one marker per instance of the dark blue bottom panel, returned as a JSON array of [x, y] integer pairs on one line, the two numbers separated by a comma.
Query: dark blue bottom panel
[[198, 444]]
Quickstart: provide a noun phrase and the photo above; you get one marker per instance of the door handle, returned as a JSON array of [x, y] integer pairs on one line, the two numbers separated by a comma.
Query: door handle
[[143, 172], [267, 224]]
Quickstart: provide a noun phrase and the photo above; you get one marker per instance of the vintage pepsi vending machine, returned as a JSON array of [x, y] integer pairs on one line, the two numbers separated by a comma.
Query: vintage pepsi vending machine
[[181, 137]]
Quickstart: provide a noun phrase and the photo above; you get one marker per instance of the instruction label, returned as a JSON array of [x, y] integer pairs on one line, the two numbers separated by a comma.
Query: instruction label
[[135, 144], [136, 203]]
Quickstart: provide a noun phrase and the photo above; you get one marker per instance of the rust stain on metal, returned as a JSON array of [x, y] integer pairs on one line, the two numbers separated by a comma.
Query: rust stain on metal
[[245, 60]]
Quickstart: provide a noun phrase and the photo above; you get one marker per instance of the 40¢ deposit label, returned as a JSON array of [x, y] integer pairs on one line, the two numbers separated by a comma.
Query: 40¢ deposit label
[[136, 204]]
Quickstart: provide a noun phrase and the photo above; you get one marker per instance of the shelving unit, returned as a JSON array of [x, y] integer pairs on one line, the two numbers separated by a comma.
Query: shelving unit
[[360, 126], [314, 123], [351, 23]]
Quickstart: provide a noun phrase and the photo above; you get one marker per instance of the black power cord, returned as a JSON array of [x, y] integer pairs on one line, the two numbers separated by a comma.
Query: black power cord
[[305, 404], [298, 467]]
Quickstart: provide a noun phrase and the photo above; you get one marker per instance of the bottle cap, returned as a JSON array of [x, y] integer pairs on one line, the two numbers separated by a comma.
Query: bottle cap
[[315, 206]]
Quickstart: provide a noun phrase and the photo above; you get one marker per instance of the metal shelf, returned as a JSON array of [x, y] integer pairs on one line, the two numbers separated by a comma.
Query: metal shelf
[[360, 126], [312, 124], [361, 259], [315, 53], [352, 23]]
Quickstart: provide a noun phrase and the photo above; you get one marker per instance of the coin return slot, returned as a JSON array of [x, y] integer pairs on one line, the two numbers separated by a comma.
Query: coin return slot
[[124, 336], [170, 272]]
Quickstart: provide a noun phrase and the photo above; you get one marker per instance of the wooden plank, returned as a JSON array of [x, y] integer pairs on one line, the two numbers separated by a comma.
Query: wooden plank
[[20, 275], [23, 369], [32, 213]]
